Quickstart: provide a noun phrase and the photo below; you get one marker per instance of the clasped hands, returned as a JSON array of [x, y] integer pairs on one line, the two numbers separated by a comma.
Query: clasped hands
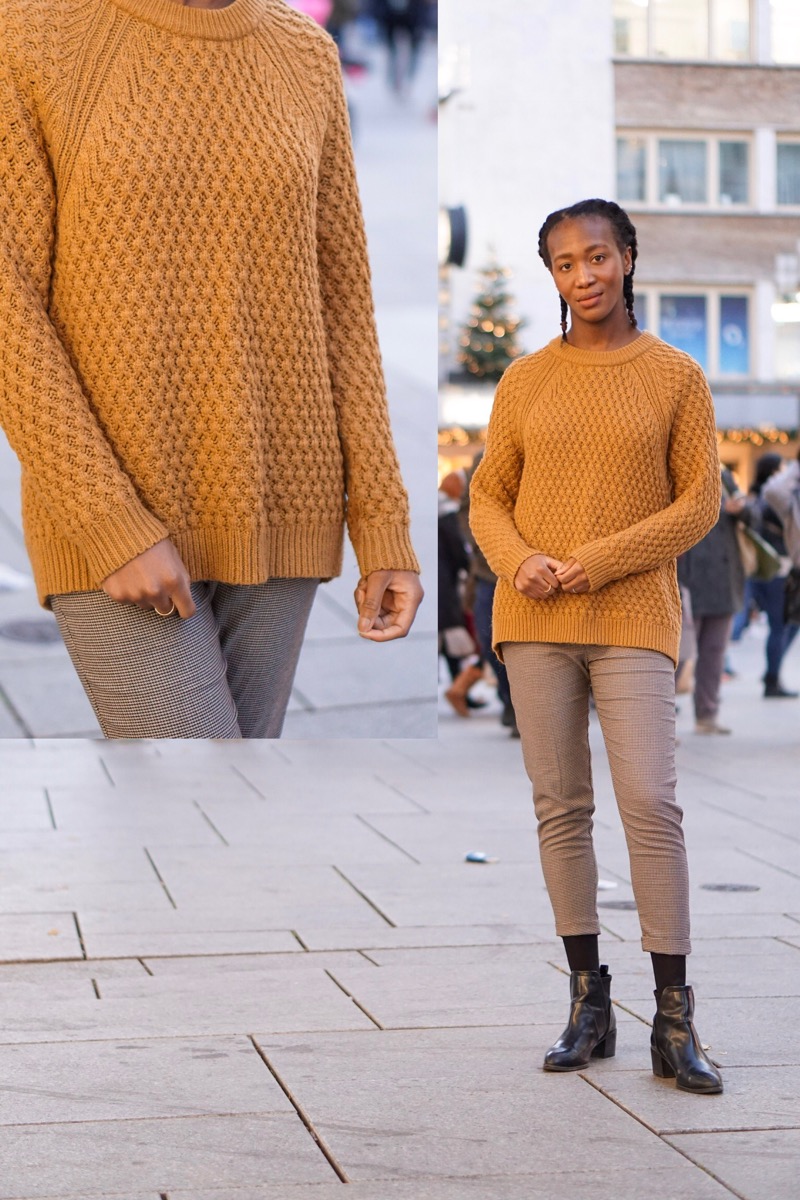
[[541, 576], [157, 580]]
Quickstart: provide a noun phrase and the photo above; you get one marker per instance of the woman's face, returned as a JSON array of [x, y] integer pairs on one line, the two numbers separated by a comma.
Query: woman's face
[[589, 268]]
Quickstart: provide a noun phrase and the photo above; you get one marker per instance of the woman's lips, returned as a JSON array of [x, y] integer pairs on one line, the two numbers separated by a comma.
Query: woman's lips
[[588, 301]]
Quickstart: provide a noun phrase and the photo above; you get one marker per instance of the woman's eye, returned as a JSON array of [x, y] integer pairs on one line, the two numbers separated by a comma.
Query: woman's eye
[[599, 258], [564, 267]]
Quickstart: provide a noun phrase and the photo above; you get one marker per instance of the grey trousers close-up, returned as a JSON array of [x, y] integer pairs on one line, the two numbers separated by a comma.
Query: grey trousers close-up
[[634, 694], [226, 672], [713, 634]]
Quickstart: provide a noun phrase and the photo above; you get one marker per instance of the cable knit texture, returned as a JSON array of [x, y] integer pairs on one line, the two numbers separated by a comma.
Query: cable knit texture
[[608, 457], [189, 346]]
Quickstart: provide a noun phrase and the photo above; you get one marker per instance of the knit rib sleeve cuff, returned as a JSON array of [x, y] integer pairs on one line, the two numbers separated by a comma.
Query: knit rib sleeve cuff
[[594, 560], [508, 561], [384, 548], [119, 537]]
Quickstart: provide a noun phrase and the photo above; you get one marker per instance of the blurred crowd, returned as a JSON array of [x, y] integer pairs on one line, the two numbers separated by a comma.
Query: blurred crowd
[[746, 568], [400, 24]]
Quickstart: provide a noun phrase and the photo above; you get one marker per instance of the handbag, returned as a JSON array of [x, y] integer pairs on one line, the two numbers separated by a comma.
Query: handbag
[[791, 598], [760, 560]]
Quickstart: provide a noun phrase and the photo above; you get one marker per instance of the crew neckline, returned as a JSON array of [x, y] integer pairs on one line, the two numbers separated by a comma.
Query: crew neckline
[[603, 358], [235, 20]]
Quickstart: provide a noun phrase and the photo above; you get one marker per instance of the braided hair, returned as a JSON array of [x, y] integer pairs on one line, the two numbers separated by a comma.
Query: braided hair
[[624, 235]]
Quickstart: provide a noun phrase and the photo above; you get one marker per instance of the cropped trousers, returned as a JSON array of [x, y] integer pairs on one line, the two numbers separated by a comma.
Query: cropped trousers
[[226, 672], [634, 694]]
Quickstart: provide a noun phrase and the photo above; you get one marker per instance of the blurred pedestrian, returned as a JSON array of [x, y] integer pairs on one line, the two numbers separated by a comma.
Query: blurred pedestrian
[[456, 643], [782, 492], [769, 595], [601, 466], [402, 24], [190, 372], [713, 572]]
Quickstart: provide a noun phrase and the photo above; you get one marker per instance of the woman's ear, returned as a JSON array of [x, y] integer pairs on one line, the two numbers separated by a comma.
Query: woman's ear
[[627, 260]]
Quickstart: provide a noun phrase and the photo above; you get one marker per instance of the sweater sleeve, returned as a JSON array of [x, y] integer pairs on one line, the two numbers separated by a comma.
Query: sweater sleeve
[[46, 415], [495, 487], [377, 503], [693, 465]]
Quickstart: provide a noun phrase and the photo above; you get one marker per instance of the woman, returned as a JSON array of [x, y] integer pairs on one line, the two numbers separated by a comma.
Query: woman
[[190, 373], [600, 468]]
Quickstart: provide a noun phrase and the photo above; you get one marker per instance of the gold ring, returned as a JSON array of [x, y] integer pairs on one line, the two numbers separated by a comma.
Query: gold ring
[[166, 614], [549, 588]]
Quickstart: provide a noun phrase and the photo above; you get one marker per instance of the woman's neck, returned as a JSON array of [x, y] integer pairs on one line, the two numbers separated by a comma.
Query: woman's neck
[[203, 3], [613, 335]]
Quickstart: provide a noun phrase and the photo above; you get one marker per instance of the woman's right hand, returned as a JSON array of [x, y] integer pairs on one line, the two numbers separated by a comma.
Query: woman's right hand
[[156, 579], [535, 578]]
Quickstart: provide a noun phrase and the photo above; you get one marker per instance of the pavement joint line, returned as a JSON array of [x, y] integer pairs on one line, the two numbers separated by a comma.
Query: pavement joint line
[[247, 781], [16, 714], [298, 939], [159, 877], [399, 792], [107, 772], [357, 1003], [787, 943], [631, 1013], [208, 820], [364, 954], [386, 838], [49, 804], [734, 787], [406, 754], [302, 1114], [767, 863], [661, 1137], [79, 932], [96, 989], [305, 702], [611, 933], [191, 1116], [144, 964], [364, 897]]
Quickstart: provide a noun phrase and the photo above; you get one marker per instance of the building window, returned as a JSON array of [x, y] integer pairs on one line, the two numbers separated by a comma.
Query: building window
[[706, 171], [788, 172], [710, 324], [697, 30], [785, 31]]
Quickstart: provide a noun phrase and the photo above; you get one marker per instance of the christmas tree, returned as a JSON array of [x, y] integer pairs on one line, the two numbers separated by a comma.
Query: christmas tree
[[489, 339]]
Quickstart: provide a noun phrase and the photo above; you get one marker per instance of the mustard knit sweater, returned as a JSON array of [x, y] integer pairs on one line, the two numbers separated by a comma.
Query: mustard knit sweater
[[610, 457], [188, 341]]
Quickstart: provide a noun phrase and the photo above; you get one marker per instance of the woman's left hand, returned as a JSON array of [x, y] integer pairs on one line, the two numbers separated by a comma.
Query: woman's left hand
[[387, 602], [572, 577]]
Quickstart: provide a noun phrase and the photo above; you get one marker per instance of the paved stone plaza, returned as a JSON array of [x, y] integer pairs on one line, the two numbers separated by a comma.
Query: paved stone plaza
[[345, 686], [259, 971]]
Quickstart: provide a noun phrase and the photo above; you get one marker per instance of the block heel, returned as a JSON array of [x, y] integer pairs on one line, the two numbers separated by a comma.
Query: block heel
[[675, 1048], [661, 1068], [608, 1047]]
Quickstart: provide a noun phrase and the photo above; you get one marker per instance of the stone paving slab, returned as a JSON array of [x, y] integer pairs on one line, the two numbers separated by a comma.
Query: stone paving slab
[[475, 987], [744, 1032], [754, 1098], [412, 936], [130, 1080], [156, 1155], [682, 1181], [223, 964], [67, 712], [433, 1121], [758, 1165], [190, 934], [24, 810], [38, 935], [708, 927], [176, 1008], [774, 972]]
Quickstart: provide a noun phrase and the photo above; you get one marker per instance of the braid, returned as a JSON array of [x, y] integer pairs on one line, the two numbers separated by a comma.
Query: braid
[[624, 234]]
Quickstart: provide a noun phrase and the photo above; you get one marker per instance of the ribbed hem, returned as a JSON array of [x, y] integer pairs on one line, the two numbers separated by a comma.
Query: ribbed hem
[[224, 555], [384, 548], [583, 629], [222, 24], [603, 358]]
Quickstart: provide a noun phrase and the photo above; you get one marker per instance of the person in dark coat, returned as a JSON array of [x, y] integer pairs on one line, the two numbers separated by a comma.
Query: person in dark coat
[[713, 572], [456, 643], [769, 594]]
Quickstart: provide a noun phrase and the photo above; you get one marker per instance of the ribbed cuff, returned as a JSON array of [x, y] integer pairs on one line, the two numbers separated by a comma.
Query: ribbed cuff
[[512, 558], [112, 542], [595, 563], [383, 548]]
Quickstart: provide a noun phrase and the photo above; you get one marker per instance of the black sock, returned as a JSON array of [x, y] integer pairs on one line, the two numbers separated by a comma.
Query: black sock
[[669, 970], [582, 952]]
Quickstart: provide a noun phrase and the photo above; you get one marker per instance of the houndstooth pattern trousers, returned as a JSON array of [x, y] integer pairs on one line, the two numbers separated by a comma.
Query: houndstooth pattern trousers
[[226, 672], [634, 694]]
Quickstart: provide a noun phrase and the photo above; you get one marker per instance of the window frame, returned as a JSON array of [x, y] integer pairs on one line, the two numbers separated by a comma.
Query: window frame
[[713, 293], [785, 139], [710, 33], [711, 139]]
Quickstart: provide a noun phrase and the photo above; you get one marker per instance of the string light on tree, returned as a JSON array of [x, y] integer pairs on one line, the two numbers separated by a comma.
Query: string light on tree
[[488, 342]]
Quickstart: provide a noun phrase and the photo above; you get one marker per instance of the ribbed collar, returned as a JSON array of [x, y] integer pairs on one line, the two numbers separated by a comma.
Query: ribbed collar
[[222, 24], [602, 358]]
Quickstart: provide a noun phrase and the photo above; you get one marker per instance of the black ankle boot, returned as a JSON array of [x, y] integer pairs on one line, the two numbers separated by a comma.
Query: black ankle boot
[[592, 1028], [774, 689], [675, 1047]]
